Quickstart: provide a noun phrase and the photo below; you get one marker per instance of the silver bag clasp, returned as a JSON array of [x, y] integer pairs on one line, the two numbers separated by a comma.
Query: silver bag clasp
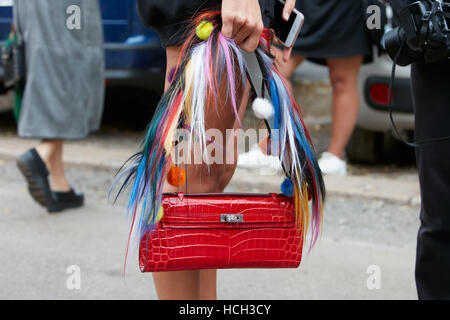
[[231, 218]]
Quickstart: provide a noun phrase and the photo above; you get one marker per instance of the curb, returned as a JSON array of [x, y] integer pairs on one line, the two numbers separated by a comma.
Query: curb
[[371, 186], [74, 154]]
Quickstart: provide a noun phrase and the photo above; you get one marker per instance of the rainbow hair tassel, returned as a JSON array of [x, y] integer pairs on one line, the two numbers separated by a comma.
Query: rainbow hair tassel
[[205, 62]]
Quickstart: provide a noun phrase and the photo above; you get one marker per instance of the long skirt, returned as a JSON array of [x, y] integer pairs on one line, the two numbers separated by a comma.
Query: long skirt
[[64, 90]]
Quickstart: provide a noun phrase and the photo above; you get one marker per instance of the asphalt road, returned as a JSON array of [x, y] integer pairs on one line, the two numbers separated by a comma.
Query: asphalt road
[[36, 250]]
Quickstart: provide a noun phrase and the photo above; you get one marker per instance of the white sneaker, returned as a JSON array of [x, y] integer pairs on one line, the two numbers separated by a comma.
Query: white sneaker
[[256, 159], [331, 164]]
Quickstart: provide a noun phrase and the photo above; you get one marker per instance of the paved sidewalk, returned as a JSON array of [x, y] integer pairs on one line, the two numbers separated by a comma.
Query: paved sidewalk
[[38, 249], [374, 186], [74, 153]]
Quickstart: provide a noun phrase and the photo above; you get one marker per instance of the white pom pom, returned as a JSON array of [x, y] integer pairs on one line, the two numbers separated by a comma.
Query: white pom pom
[[262, 108]]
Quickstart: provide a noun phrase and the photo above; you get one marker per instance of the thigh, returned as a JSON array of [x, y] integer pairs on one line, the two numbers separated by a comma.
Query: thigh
[[344, 69], [219, 119]]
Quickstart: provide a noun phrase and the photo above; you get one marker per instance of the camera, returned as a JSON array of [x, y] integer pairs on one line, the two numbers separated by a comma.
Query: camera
[[423, 33]]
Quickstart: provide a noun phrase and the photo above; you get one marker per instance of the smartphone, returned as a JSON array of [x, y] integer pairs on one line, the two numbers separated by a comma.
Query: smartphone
[[287, 31]]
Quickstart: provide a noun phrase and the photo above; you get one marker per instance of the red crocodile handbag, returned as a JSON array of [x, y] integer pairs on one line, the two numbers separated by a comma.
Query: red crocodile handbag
[[220, 231]]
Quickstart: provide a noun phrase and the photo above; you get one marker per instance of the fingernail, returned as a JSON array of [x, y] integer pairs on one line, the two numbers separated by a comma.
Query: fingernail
[[286, 16]]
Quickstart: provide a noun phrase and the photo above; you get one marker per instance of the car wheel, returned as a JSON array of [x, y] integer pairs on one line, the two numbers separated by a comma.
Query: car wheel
[[365, 146], [369, 147]]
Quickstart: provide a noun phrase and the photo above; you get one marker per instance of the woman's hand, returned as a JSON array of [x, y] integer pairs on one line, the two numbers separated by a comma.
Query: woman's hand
[[242, 21], [289, 6], [287, 10]]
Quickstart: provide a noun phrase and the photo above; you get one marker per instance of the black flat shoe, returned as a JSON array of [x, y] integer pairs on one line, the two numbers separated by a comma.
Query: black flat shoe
[[35, 172], [65, 200]]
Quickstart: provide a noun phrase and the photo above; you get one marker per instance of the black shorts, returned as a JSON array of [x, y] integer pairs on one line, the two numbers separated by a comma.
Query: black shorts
[[170, 18], [332, 29]]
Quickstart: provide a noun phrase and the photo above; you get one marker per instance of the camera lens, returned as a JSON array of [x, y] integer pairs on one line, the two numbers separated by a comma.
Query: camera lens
[[392, 42]]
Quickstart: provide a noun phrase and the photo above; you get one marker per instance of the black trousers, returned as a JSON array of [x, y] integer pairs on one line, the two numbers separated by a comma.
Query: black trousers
[[431, 96]]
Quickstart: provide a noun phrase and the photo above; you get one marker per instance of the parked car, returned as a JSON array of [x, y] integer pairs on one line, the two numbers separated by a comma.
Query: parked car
[[133, 53], [372, 139]]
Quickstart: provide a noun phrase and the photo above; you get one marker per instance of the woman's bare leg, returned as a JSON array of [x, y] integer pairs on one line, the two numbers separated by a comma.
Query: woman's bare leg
[[51, 152], [343, 77], [208, 285], [200, 284], [177, 285]]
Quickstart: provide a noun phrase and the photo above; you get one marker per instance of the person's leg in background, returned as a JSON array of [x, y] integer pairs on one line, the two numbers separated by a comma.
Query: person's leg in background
[[431, 96], [257, 156], [43, 169], [48, 110], [51, 152], [343, 77]]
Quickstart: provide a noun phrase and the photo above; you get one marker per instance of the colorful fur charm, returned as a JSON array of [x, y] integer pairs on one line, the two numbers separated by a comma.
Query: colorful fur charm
[[204, 29], [262, 108], [176, 176], [171, 75], [287, 187], [160, 214], [204, 63]]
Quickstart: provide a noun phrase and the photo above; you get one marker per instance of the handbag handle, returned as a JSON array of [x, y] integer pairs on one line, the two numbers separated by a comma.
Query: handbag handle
[[181, 195]]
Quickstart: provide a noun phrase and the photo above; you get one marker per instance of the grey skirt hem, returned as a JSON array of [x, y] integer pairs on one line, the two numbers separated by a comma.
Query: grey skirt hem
[[33, 136]]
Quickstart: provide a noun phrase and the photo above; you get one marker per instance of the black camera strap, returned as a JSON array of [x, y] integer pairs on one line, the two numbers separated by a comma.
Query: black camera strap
[[397, 135]]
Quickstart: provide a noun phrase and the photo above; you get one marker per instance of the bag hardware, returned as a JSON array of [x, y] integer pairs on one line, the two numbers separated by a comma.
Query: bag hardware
[[232, 218]]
